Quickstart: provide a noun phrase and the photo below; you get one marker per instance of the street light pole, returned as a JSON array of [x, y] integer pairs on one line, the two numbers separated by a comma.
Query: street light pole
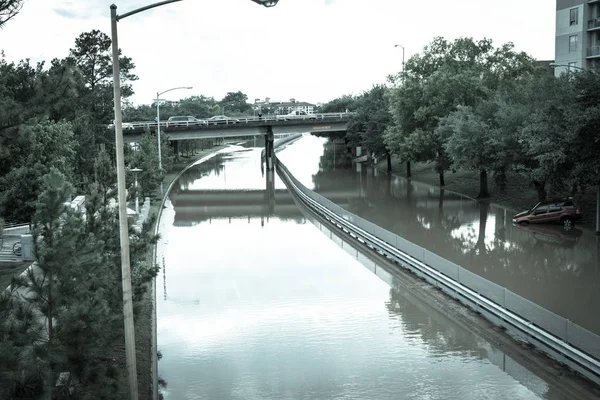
[[158, 128], [408, 173], [122, 202], [402, 47]]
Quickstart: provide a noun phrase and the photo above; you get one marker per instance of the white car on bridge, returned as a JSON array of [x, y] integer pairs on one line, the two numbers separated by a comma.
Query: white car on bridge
[[297, 114]]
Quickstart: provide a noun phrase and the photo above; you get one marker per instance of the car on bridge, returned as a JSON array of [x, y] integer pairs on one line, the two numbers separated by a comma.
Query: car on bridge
[[297, 114], [125, 126], [185, 120], [222, 119]]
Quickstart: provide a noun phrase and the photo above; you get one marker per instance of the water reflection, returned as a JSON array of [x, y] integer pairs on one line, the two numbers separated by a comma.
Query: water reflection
[[554, 269], [278, 311]]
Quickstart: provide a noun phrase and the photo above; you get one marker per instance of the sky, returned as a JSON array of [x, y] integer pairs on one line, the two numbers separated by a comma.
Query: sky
[[309, 50]]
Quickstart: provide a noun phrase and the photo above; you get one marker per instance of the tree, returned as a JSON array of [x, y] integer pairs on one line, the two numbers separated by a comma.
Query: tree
[[341, 104], [549, 133], [445, 76], [203, 106], [44, 145], [9, 9], [236, 102], [472, 143], [368, 125], [587, 140]]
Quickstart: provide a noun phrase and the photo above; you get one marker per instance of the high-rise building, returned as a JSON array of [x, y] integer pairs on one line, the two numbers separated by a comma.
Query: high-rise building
[[577, 34]]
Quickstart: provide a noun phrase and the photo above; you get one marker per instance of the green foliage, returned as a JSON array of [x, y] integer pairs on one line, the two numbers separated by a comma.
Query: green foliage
[[8, 10], [340, 104], [42, 146], [433, 85], [367, 126], [587, 143], [235, 102]]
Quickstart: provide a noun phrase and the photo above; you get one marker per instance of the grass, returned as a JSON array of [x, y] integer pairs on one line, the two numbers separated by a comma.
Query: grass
[[519, 194]]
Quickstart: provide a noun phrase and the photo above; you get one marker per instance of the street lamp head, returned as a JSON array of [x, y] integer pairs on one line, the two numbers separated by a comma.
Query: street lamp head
[[266, 3]]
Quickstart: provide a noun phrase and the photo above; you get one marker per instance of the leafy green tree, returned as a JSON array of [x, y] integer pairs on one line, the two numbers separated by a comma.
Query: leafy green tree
[[45, 145], [445, 76], [235, 102], [67, 286], [200, 106], [368, 125], [471, 144], [147, 159], [587, 140], [548, 135], [340, 104], [9, 9], [20, 330]]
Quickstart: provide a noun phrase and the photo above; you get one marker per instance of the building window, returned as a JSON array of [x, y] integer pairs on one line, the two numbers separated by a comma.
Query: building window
[[572, 66], [574, 16], [572, 44]]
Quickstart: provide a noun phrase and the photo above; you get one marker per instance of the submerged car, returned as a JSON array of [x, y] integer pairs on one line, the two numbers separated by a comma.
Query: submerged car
[[564, 211]]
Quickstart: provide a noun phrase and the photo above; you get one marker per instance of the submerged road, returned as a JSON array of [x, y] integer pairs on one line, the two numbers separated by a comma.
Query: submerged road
[[277, 307]]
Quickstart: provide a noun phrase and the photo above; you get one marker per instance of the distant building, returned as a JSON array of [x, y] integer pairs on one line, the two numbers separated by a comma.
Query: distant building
[[577, 34], [282, 108]]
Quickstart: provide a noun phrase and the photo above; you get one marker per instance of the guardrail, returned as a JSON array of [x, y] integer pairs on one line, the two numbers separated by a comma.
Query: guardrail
[[280, 142], [563, 340], [240, 120]]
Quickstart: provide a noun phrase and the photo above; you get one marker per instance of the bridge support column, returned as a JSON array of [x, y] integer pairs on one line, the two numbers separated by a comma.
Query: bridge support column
[[270, 192], [269, 149], [176, 148]]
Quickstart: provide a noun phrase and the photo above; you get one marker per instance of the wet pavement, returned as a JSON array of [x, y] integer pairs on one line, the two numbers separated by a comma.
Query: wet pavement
[[255, 302]]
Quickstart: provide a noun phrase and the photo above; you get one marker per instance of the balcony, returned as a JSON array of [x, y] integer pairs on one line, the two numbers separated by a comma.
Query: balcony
[[593, 52], [593, 24]]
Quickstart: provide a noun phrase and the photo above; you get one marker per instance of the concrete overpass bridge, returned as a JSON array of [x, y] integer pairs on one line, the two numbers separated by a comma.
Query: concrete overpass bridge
[[251, 126]]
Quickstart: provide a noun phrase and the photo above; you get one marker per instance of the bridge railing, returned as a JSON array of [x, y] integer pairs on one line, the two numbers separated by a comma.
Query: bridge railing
[[127, 126], [565, 340]]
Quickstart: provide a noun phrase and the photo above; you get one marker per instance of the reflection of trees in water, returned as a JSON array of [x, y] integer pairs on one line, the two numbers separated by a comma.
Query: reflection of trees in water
[[213, 166], [441, 337], [454, 228], [335, 157]]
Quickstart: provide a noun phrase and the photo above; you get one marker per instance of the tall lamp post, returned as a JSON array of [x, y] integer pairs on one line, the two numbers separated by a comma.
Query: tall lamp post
[[122, 201], [555, 65], [158, 127], [402, 47], [408, 173]]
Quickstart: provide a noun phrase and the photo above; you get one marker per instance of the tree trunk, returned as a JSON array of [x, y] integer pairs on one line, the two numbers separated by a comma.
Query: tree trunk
[[541, 189], [389, 161], [442, 181], [484, 192], [408, 175]]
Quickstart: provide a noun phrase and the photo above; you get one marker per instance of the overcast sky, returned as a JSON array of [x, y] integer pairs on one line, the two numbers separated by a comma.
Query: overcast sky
[[310, 50]]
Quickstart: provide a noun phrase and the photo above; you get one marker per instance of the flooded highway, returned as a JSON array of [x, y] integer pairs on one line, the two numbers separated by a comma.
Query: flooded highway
[[555, 268], [255, 301]]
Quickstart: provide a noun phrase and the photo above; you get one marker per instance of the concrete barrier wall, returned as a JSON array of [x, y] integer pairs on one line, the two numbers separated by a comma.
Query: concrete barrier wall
[[550, 322]]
